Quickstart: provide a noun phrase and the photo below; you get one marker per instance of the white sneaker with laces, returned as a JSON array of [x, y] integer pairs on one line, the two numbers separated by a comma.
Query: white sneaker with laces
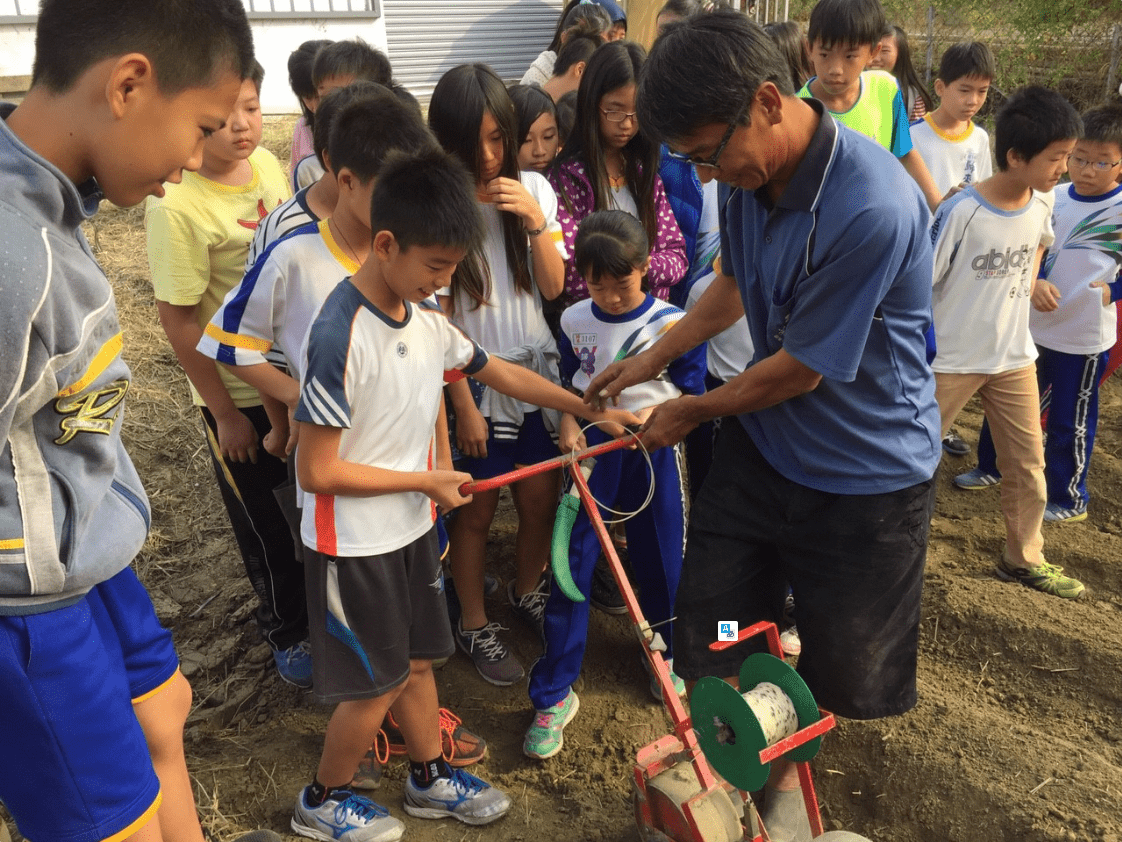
[[345, 817], [461, 796]]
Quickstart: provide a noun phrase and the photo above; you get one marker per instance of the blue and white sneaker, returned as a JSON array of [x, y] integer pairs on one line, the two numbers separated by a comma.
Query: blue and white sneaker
[[345, 817], [295, 664], [461, 796]]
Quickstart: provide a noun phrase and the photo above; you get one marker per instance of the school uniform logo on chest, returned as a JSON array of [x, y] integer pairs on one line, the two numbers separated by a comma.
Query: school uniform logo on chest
[[584, 346], [402, 350]]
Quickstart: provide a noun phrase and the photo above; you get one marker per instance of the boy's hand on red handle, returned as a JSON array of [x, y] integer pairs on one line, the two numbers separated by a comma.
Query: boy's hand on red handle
[[444, 489]]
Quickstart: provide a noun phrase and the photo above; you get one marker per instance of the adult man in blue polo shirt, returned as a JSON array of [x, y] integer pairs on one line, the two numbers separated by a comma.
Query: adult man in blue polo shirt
[[826, 481]]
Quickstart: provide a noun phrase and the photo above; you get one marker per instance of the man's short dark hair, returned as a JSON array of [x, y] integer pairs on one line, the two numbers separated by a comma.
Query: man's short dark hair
[[1103, 124], [190, 43], [851, 23], [967, 58], [1030, 120], [427, 198], [353, 58], [737, 57], [329, 108], [365, 132]]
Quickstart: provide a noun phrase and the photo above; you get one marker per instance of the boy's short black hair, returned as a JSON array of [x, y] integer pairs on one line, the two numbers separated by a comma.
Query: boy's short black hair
[[610, 243], [190, 43], [364, 132], [256, 75], [1030, 120], [1103, 124], [329, 108], [427, 198], [851, 23], [967, 58], [351, 58]]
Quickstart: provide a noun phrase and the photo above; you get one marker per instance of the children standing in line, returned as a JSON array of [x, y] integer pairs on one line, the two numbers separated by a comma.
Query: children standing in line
[[1074, 320], [537, 127], [274, 305], [370, 396], [895, 57], [198, 235], [496, 298], [619, 321], [955, 149], [844, 37], [91, 736], [337, 65], [988, 242], [607, 163], [300, 80]]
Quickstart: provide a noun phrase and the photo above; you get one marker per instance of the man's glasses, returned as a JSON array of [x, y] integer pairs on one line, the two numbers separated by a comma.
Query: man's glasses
[[619, 116], [711, 162], [1101, 166]]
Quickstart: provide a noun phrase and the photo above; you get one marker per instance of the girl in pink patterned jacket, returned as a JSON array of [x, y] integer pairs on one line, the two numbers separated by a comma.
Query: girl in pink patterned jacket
[[607, 163]]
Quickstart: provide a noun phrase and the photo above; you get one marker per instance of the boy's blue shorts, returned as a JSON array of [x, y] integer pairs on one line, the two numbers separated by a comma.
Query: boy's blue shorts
[[533, 444], [76, 765]]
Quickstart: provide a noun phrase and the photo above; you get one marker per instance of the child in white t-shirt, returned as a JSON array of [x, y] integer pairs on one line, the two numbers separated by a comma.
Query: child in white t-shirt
[[496, 298], [988, 241], [1075, 320], [955, 149]]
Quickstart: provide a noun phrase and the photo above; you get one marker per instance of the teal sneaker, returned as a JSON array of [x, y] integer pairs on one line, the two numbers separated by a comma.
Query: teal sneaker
[[461, 796], [544, 739], [656, 687], [1044, 577]]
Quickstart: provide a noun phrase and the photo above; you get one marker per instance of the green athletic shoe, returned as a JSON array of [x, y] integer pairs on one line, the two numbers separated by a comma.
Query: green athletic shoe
[[544, 738], [1044, 577]]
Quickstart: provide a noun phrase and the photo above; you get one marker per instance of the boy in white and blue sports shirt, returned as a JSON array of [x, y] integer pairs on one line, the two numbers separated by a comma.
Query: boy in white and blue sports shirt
[[619, 320], [370, 394], [988, 243], [1074, 321]]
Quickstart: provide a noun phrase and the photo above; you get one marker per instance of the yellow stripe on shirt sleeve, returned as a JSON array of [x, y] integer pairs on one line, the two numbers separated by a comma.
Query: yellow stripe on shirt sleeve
[[237, 340], [108, 352]]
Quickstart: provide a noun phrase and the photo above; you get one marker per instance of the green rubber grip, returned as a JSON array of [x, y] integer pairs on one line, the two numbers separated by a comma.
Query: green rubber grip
[[559, 552]]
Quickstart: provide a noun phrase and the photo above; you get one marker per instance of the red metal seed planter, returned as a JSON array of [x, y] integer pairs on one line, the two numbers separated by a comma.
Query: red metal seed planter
[[678, 797]]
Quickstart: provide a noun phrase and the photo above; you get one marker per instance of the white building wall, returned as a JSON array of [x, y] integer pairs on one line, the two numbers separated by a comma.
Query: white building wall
[[273, 40]]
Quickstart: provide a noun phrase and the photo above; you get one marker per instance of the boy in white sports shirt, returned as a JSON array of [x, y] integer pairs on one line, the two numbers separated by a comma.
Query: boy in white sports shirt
[[988, 242], [267, 316], [956, 151], [1074, 323], [370, 394]]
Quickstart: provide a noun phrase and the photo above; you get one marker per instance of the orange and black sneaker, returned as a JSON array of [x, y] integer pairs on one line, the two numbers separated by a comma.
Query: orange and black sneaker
[[459, 745], [369, 773]]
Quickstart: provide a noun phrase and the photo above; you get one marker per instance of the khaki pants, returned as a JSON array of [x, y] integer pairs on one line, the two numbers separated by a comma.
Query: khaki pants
[[1011, 401]]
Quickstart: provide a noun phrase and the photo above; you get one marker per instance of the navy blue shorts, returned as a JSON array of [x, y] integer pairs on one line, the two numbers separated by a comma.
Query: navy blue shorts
[[534, 444], [68, 681], [854, 562]]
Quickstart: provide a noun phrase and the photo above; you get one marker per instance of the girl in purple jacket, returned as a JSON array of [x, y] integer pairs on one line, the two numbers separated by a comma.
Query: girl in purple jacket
[[607, 164]]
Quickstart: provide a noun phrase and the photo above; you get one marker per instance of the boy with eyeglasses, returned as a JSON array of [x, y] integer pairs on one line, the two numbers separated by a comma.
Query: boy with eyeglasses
[[1074, 319]]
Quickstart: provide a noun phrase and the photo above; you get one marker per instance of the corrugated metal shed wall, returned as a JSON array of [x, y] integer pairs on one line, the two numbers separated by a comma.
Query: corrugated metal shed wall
[[428, 37]]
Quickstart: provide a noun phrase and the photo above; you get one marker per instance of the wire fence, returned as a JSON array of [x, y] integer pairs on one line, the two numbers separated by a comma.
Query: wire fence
[[1074, 47]]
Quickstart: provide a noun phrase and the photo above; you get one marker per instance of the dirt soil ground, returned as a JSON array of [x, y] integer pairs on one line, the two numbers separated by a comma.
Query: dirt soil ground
[[1017, 735]]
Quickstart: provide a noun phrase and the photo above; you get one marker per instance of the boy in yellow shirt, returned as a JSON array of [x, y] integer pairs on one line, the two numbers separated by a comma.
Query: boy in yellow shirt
[[198, 237]]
